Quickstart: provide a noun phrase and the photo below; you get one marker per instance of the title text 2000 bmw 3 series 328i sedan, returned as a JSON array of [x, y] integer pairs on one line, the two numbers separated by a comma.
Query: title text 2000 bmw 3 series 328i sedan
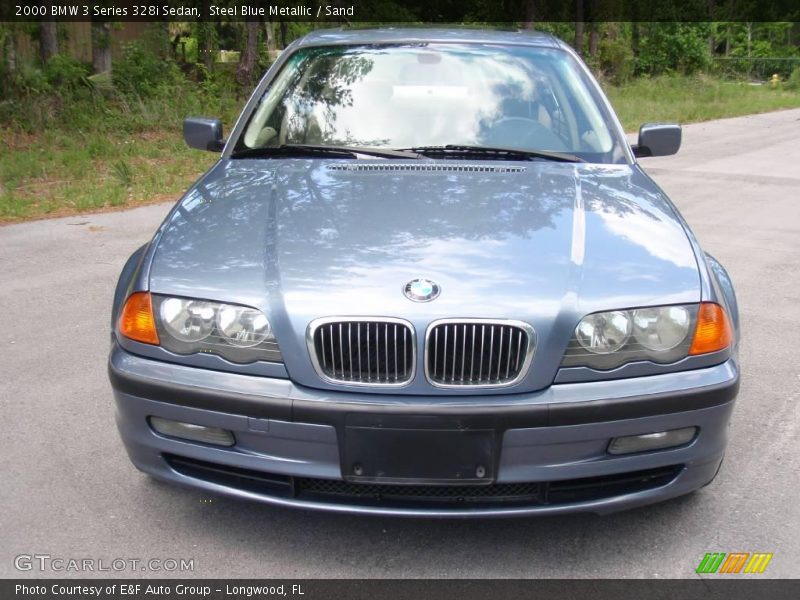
[[427, 277]]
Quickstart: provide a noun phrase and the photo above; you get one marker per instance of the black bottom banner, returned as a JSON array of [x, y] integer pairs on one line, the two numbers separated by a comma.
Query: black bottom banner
[[411, 589]]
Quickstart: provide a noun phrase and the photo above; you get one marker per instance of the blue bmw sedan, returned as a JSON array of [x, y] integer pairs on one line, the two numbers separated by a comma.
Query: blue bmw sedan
[[427, 276]]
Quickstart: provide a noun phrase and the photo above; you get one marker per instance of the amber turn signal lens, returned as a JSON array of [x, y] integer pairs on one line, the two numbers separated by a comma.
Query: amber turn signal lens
[[136, 321], [713, 332]]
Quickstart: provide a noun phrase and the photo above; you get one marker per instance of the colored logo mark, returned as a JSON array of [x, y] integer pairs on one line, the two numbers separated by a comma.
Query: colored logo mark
[[735, 562], [421, 290]]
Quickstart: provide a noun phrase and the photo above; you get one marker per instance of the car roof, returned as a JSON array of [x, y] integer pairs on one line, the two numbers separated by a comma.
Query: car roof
[[390, 35]]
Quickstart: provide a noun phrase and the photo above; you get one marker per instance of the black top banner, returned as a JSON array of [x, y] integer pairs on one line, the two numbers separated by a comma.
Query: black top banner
[[402, 11]]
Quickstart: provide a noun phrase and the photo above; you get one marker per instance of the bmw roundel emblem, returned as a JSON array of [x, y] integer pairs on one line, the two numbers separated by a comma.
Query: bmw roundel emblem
[[421, 290]]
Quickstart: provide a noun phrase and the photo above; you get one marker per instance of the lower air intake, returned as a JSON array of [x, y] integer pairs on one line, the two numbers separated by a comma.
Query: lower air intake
[[334, 491]]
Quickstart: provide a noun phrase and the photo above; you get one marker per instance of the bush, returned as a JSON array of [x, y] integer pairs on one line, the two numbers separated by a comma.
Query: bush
[[28, 80], [141, 73], [188, 49], [793, 83], [61, 73], [218, 83], [615, 61], [673, 47], [144, 91], [67, 73]]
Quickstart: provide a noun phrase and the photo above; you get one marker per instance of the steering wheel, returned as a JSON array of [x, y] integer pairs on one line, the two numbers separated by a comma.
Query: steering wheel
[[522, 132]]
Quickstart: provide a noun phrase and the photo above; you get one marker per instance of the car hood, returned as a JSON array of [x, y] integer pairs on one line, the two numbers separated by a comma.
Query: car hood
[[542, 242]]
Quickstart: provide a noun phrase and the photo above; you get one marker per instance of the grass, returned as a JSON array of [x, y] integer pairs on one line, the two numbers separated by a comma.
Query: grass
[[111, 154], [693, 99], [132, 155], [59, 173]]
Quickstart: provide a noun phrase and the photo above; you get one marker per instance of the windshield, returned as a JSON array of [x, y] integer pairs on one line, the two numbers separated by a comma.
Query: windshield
[[416, 95]]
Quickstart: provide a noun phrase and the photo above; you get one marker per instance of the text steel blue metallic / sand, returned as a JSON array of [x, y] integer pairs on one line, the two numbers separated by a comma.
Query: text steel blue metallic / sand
[[427, 277]]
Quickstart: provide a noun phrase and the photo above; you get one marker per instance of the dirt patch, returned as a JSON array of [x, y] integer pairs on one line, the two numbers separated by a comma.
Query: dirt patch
[[14, 139]]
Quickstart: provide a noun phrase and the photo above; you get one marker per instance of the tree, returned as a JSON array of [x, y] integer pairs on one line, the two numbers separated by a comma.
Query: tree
[[9, 45], [712, 43], [579, 27], [247, 63], [530, 11], [101, 47], [48, 40], [271, 47], [594, 39], [284, 29], [206, 42]]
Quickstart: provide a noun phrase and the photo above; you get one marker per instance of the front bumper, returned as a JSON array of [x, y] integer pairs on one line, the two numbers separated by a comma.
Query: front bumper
[[552, 444]]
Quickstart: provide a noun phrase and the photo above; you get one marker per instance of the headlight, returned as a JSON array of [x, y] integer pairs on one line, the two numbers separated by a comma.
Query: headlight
[[603, 333], [607, 340], [661, 329], [240, 334], [243, 327], [187, 320]]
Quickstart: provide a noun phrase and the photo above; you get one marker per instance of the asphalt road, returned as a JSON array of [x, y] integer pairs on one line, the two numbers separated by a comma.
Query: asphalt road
[[68, 490]]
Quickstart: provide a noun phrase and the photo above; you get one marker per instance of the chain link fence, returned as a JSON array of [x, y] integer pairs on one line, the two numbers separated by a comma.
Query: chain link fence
[[755, 68]]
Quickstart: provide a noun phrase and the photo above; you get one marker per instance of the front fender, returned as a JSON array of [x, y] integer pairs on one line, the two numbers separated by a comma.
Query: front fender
[[725, 285], [124, 282]]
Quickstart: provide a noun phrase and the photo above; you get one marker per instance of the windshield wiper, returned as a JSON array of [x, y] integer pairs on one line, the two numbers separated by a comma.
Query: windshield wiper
[[382, 152], [321, 150], [499, 153]]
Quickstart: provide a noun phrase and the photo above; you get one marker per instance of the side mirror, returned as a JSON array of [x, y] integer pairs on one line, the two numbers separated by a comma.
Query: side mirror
[[658, 139], [203, 134]]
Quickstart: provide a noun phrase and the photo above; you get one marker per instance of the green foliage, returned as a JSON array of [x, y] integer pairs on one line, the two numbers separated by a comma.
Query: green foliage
[[155, 40], [78, 142], [220, 83], [688, 99], [793, 83], [85, 150], [142, 73], [32, 96], [191, 49], [29, 80], [615, 60], [667, 47], [207, 38], [755, 50], [122, 172], [65, 72]]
